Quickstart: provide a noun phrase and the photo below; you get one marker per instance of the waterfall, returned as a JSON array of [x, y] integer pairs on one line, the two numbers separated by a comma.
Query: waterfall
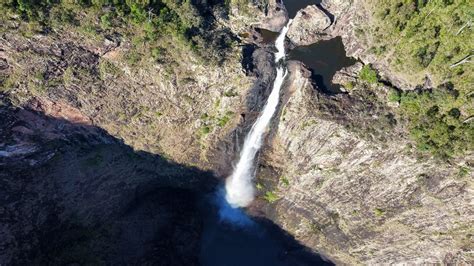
[[239, 186]]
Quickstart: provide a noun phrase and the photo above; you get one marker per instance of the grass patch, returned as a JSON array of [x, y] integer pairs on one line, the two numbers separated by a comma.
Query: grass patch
[[349, 85], [230, 93], [394, 96], [271, 196], [204, 131], [222, 121], [379, 212]]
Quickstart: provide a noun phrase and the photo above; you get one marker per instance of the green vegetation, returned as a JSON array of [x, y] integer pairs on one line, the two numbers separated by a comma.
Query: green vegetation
[[230, 93], [429, 39], [463, 171], [204, 130], [425, 37], [379, 212], [394, 96], [270, 196], [368, 74], [435, 121], [222, 121], [284, 180], [349, 85], [159, 29]]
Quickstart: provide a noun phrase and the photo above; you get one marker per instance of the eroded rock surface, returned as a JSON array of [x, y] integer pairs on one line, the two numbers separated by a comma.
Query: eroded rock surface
[[71, 193], [363, 199], [347, 75], [309, 26]]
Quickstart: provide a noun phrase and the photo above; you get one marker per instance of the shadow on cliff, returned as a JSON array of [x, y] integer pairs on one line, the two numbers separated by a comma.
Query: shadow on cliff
[[73, 194]]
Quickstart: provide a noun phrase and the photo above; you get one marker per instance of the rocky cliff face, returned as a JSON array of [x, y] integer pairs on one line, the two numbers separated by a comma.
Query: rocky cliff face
[[362, 198], [86, 123], [342, 171], [71, 193], [88, 138]]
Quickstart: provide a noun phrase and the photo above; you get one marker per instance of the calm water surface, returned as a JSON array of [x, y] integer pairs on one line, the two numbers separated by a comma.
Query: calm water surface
[[324, 59], [293, 6]]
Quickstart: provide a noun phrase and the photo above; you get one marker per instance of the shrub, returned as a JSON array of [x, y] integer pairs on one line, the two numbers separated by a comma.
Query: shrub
[[204, 130], [379, 212], [106, 21], [270, 196], [394, 96], [349, 85], [224, 119], [368, 74], [230, 93]]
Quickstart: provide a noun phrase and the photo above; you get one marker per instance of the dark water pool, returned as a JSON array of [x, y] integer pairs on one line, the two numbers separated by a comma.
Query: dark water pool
[[248, 242], [293, 6], [268, 36], [324, 59]]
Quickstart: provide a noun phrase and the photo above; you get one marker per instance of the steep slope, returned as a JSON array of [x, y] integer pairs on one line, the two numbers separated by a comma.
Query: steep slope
[[174, 91], [380, 174], [71, 193], [345, 182]]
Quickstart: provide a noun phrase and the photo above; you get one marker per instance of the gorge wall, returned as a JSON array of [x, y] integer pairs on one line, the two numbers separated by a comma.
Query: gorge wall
[[342, 171], [94, 113]]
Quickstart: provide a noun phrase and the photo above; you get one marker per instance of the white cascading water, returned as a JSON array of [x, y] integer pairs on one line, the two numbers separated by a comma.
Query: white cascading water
[[239, 186]]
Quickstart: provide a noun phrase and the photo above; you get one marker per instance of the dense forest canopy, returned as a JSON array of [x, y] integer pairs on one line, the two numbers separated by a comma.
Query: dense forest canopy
[[422, 38]]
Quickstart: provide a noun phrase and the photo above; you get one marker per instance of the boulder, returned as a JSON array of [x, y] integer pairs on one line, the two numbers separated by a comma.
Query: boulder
[[347, 74], [308, 26]]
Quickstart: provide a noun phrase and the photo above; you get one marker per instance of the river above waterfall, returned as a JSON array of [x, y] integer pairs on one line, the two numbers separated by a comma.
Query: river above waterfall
[[324, 59], [293, 6]]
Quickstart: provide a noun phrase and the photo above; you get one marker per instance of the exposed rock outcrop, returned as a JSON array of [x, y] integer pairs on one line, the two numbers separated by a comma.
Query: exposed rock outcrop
[[309, 26], [347, 75], [270, 15], [363, 199]]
